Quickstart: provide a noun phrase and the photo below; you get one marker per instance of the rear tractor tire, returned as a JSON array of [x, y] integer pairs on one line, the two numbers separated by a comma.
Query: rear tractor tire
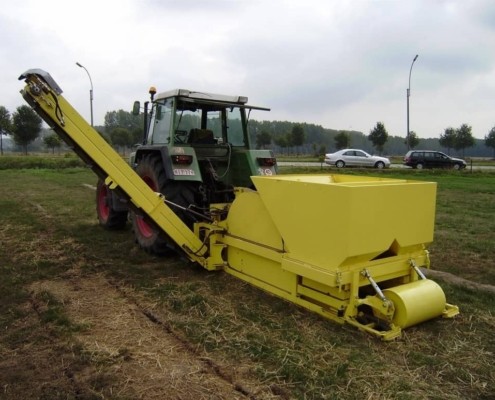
[[340, 164], [108, 217], [149, 237]]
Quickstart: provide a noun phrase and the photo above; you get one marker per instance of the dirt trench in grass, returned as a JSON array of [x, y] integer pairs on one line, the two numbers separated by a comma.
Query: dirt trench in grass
[[81, 336], [143, 356]]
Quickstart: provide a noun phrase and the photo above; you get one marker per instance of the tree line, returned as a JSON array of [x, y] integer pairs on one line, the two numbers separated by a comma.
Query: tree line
[[276, 135], [123, 129]]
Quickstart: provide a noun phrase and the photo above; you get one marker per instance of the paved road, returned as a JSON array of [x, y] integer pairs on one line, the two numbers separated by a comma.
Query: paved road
[[393, 166]]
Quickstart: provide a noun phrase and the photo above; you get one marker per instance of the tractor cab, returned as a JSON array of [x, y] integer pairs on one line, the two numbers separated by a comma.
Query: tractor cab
[[203, 137]]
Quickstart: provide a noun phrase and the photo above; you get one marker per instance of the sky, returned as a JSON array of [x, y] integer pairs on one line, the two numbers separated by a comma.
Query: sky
[[341, 64]]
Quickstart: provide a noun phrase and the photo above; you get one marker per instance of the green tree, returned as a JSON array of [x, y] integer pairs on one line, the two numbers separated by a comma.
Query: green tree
[[490, 140], [121, 137], [123, 119], [448, 138], [26, 126], [263, 139], [314, 147], [464, 138], [297, 136], [52, 141], [137, 136], [413, 139], [5, 125], [319, 150], [378, 136], [342, 140], [281, 141]]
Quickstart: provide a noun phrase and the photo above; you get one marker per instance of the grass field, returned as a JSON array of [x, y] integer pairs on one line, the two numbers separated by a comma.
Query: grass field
[[72, 295]]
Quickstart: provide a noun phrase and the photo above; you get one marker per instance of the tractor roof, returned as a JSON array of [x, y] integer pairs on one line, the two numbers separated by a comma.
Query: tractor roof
[[241, 100]]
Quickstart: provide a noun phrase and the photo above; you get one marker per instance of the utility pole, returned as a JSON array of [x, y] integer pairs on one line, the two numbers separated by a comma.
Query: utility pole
[[408, 95], [90, 91]]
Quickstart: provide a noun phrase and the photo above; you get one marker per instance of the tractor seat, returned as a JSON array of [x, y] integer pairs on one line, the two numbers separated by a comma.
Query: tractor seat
[[201, 136]]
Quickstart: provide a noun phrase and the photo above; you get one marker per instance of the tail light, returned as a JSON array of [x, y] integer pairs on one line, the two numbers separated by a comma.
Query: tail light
[[182, 159], [267, 162]]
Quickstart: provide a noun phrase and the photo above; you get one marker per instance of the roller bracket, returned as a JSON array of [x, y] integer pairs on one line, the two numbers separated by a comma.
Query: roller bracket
[[375, 286], [413, 265]]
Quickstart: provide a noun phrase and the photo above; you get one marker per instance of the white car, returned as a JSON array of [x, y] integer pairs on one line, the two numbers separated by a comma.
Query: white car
[[356, 158]]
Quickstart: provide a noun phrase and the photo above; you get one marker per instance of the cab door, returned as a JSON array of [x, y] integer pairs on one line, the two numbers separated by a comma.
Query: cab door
[[160, 125]]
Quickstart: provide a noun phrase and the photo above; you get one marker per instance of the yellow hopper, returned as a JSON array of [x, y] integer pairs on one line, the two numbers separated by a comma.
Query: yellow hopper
[[344, 246]]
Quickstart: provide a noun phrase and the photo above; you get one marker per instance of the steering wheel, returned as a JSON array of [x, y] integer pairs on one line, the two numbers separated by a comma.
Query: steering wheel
[[180, 136]]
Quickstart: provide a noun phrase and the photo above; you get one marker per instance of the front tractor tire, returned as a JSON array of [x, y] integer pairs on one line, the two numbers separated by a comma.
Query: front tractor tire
[[108, 217], [147, 236]]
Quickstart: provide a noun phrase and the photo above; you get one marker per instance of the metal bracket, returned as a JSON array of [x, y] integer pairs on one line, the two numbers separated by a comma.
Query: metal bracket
[[45, 76], [375, 286], [413, 265]]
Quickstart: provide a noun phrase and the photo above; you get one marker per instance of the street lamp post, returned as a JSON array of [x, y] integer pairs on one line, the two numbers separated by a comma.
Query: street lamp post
[[408, 95], [90, 91]]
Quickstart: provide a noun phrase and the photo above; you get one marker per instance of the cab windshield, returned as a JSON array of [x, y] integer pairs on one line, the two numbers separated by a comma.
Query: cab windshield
[[225, 123]]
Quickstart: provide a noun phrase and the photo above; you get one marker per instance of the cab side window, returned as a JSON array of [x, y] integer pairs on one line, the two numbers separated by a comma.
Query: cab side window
[[235, 133], [162, 117]]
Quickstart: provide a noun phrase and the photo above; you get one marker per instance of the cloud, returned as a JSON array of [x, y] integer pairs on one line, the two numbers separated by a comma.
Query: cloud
[[340, 64]]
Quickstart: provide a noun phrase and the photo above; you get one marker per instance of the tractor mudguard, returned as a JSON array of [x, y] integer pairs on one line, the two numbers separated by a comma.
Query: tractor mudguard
[[179, 163]]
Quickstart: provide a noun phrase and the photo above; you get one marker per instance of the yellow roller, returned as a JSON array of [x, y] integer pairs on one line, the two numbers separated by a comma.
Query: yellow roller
[[416, 302]]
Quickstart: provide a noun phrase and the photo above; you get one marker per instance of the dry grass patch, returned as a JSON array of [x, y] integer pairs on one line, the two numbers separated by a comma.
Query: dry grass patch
[[312, 358], [143, 360]]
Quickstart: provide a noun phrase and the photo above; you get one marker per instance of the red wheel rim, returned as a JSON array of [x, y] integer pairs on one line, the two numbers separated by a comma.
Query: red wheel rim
[[144, 228], [103, 207]]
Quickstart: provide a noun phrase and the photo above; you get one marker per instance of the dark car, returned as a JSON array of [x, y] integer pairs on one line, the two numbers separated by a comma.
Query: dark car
[[432, 159]]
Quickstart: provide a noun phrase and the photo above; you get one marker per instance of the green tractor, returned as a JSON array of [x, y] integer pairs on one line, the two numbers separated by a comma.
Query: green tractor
[[196, 149]]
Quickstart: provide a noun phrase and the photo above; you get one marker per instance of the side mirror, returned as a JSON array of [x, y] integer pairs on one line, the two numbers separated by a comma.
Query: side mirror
[[136, 107]]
